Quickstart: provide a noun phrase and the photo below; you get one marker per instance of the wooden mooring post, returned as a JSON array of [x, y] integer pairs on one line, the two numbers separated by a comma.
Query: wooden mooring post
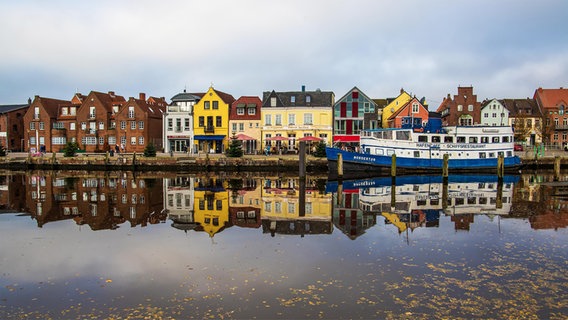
[[500, 166], [557, 168], [393, 166], [339, 166], [302, 160], [445, 170]]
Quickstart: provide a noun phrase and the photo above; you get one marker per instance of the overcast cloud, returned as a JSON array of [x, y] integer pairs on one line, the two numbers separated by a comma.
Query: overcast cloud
[[505, 49]]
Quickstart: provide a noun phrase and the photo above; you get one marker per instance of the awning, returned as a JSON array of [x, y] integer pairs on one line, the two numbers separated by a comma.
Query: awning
[[346, 138], [209, 137]]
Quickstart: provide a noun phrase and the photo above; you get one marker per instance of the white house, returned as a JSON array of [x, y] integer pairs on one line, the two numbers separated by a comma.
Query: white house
[[494, 113], [178, 122]]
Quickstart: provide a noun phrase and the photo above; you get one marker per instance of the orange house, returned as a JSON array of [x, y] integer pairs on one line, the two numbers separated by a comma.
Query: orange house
[[413, 110]]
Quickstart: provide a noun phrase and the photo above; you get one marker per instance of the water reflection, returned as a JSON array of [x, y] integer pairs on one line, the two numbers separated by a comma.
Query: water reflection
[[281, 204]]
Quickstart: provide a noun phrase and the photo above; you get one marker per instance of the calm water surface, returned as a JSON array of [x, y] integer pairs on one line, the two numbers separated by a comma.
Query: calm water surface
[[117, 245]]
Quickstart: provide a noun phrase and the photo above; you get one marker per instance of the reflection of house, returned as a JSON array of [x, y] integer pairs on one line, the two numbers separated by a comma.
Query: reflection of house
[[211, 209], [12, 193], [179, 201], [245, 205], [348, 217], [285, 207]]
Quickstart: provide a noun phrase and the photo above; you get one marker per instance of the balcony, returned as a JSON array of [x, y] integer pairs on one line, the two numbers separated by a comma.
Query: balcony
[[36, 116], [209, 129], [91, 115]]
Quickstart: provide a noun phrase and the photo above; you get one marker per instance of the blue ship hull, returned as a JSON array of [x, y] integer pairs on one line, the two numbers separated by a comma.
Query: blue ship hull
[[367, 162]]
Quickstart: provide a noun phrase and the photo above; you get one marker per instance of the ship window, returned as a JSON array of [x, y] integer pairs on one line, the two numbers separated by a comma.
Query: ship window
[[422, 139], [509, 153], [390, 152], [416, 154], [459, 201], [448, 139], [435, 138], [461, 140], [379, 152], [387, 135], [483, 200], [472, 139], [367, 150], [402, 135], [495, 140], [505, 139], [482, 155], [471, 200], [484, 139], [491, 154]]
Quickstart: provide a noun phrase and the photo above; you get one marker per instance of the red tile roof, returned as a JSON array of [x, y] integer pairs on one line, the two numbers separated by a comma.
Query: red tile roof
[[551, 98]]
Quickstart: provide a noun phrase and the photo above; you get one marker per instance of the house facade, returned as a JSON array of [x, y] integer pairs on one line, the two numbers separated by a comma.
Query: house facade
[[294, 116], [553, 103], [352, 113], [178, 123], [463, 109], [494, 113], [526, 120], [412, 114], [393, 106], [211, 121], [38, 121], [245, 123], [12, 126]]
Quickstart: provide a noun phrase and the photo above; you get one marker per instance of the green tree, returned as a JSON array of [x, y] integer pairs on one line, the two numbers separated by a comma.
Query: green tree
[[70, 149], [235, 149], [320, 150], [150, 150]]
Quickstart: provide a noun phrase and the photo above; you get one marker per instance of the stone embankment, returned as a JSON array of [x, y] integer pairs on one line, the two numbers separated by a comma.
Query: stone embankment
[[162, 162]]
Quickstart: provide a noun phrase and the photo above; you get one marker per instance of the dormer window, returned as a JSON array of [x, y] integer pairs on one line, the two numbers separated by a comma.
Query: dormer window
[[273, 101], [293, 99], [308, 99]]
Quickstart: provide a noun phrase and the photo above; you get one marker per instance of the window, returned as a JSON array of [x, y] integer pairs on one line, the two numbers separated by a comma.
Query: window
[[240, 111], [131, 112], [140, 124], [308, 99], [58, 140], [241, 126], [133, 141], [58, 125], [170, 124], [460, 107], [470, 107], [201, 121], [132, 125], [219, 121], [308, 118], [101, 125], [141, 141], [72, 126], [101, 141], [123, 125], [252, 111], [90, 140], [234, 127], [293, 99], [41, 126], [32, 125], [215, 105], [206, 105], [291, 119], [273, 101], [415, 108], [278, 120], [64, 111], [268, 119]]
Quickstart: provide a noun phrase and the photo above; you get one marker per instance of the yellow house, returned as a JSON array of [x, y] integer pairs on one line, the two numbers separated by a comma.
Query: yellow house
[[211, 121], [290, 117], [394, 105]]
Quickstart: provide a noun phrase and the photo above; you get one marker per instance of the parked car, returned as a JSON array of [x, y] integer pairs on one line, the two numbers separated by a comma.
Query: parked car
[[518, 147]]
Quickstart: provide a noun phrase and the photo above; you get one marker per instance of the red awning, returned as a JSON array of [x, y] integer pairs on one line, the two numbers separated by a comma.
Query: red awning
[[346, 139]]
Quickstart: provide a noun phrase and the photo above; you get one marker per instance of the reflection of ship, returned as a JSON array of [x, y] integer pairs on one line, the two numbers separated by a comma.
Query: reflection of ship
[[414, 201]]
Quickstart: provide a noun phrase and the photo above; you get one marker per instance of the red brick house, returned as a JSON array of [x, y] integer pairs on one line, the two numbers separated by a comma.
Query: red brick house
[[413, 111], [12, 126], [139, 122], [463, 109], [96, 122], [38, 121], [554, 104]]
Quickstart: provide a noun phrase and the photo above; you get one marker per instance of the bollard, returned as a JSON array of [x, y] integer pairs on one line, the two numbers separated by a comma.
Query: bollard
[[393, 166]]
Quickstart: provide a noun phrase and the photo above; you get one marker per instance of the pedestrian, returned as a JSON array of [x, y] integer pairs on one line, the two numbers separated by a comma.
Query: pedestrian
[[122, 147], [116, 148]]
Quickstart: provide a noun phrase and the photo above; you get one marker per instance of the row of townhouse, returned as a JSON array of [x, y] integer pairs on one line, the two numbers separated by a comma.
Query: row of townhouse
[[205, 122]]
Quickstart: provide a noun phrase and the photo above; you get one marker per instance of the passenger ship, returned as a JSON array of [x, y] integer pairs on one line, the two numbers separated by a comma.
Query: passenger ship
[[469, 148]]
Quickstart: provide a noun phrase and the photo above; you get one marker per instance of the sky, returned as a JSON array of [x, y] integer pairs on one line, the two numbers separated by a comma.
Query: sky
[[503, 48]]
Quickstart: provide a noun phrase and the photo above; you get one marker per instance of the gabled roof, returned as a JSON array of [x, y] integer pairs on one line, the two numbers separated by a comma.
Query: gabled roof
[[12, 107], [318, 98], [248, 100], [405, 107], [51, 106], [360, 92], [153, 110], [108, 100], [518, 107], [227, 98], [550, 98]]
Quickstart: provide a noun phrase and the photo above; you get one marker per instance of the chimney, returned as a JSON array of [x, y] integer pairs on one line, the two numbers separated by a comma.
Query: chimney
[[111, 93], [142, 96], [303, 88]]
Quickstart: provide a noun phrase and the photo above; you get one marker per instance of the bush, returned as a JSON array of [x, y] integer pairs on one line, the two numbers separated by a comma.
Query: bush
[[150, 150], [70, 149], [235, 149], [320, 150]]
